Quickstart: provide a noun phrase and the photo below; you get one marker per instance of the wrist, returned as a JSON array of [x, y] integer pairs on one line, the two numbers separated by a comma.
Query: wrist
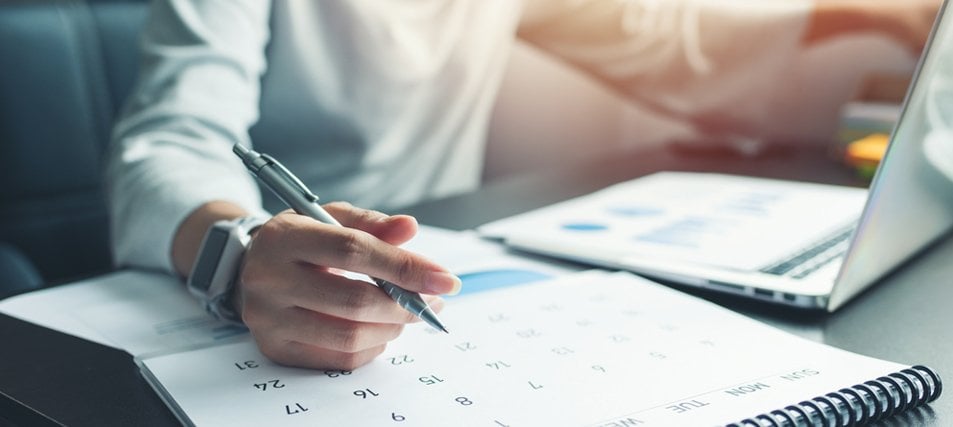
[[214, 275], [189, 234]]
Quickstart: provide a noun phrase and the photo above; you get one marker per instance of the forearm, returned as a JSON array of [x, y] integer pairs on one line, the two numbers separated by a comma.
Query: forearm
[[907, 22], [171, 149], [706, 59], [188, 236]]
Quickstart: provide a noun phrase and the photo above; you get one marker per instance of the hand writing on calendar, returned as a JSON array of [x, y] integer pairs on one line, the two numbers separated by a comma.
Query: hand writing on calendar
[[304, 313], [299, 307]]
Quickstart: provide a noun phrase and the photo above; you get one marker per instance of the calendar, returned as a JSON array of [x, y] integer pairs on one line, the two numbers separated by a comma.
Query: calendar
[[585, 349]]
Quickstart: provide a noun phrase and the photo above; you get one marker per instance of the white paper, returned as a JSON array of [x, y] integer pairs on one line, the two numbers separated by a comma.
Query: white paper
[[144, 313], [589, 349], [135, 311], [704, 219]]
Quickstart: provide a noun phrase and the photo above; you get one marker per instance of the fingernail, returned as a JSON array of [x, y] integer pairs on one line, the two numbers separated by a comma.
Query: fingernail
[[394, 218], [443, 283], [457, 286]]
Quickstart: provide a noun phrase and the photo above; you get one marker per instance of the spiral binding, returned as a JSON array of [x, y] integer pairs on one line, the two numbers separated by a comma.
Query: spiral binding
[[857, 405]]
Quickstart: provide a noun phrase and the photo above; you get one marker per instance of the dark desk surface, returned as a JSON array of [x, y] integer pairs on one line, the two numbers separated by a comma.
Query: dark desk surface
[[904, 318]]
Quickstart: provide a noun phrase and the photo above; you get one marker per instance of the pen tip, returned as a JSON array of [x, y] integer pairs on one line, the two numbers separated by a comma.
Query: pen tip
[[431, 318]]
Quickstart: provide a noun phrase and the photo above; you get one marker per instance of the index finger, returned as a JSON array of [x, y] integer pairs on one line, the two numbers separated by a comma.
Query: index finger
[[360, 252]]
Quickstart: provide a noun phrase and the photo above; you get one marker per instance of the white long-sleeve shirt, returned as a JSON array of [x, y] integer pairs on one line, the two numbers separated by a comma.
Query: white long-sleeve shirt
[[386, 102]]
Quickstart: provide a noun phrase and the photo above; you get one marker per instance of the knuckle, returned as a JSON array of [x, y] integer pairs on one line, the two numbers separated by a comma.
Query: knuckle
[[408, 317], [358, 302], [395, 332], [340, 209], [338, 206], [365, 216], [368, 216], [351, 248], [348, 338], [348, 361], [374, 352], [406, 269], [269, 232], [354, 360], [280, 228]]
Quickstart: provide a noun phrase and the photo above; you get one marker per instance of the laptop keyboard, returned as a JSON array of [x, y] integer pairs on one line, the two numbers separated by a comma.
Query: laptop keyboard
[[814, 257]]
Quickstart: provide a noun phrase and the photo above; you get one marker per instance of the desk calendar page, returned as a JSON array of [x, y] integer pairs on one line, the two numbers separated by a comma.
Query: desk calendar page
[[585, 349]]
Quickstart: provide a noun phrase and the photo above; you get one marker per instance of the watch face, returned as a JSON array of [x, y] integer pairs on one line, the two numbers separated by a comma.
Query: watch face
[[208, 259]]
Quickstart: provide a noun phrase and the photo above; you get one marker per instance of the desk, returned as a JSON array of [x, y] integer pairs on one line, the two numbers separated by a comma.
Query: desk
[[48, 378]]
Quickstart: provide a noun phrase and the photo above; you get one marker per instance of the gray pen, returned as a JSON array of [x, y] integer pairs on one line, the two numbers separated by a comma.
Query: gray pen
[[294, 193]]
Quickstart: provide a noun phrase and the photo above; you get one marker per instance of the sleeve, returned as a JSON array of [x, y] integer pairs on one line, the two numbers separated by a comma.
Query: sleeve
[[711, 61], [197, 95]]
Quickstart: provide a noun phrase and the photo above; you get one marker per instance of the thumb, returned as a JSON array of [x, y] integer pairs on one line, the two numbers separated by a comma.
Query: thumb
[[395, 229]]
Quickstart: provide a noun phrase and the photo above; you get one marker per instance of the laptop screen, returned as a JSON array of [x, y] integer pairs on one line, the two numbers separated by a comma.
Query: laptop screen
[[911, 199]]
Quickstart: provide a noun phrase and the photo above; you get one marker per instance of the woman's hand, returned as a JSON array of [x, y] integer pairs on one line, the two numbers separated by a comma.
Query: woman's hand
[[907, 21], [302, 311]]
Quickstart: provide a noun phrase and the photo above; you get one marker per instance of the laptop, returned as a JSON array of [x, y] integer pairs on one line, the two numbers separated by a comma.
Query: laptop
[[800, 244]]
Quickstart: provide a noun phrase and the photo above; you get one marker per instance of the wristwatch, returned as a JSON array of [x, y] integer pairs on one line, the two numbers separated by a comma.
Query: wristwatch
[[214, 274]]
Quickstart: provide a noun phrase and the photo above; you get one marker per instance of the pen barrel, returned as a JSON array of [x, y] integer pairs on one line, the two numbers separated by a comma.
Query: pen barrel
[[293, 197], [294, 193], [411, 301]]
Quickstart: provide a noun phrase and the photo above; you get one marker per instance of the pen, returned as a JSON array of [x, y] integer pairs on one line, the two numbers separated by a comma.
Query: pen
[[295, 194]]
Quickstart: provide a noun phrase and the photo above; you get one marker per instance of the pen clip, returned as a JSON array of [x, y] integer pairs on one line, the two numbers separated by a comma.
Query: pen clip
[[291, 178]]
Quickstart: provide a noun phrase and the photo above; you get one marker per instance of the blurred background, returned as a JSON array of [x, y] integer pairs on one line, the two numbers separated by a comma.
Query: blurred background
[[839, 91], [67, 65]]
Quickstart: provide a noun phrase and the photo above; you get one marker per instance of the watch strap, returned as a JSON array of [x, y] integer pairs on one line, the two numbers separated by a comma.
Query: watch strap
[[216, 297]]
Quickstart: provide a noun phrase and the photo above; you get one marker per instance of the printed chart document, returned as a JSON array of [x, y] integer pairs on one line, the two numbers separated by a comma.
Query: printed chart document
[[583, 349], [723, 221]]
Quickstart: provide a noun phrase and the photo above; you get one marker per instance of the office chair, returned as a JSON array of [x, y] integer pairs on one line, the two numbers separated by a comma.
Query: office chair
[[66, 67]]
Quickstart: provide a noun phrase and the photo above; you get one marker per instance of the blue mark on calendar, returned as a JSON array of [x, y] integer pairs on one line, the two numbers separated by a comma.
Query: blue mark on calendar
[[480, 281], [584, 226], [634, 211]]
